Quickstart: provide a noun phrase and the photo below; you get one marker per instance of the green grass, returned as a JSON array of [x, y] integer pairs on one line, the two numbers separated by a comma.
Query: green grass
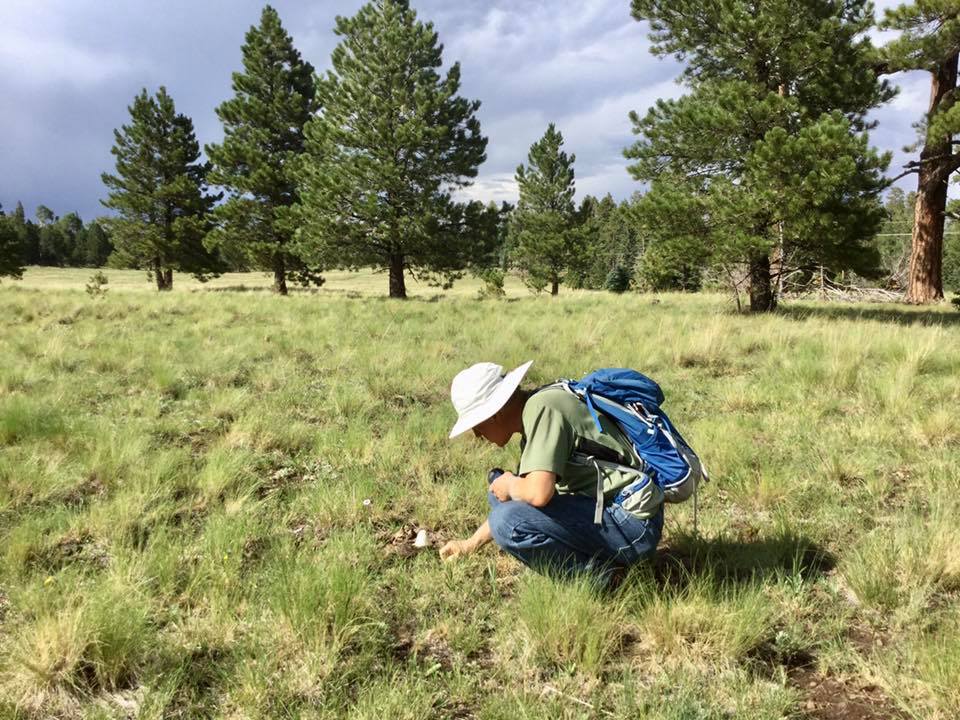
[[183, 530]]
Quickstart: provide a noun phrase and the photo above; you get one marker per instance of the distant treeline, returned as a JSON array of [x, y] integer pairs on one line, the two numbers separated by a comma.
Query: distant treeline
[[612, 252], [57, 241]]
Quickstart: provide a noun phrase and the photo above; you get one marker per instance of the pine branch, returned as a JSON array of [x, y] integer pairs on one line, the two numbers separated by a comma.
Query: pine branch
[[914, 165]]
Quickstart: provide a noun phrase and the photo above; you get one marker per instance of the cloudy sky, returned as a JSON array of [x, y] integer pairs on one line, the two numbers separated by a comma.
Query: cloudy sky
[[70, 68]]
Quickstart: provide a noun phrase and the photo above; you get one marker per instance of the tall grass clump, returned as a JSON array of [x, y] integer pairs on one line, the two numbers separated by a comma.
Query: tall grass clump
[[570, 626], [684, 694], [396, 696], [325, 598], [79, 639], [705, 621], [42, 665], [922, 673], [22, 419], [901, 568]]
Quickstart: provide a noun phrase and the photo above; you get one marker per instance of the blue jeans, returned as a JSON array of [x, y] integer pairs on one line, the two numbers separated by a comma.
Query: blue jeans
[[561, 536]]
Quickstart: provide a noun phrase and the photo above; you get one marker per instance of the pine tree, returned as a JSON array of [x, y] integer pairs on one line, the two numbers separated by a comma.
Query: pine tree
[[45, 215], [741, 169], [160, 193], [546, 235], [263, 123], [11, 250], [929, 40], [93, 246], [610, 241], [28, 234], [391, 142], [617, 280]]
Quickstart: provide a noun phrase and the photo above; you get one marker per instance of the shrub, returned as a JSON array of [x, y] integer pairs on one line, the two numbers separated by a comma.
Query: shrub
[[492, 284], [665, 266], [95, 284], [618, 280]]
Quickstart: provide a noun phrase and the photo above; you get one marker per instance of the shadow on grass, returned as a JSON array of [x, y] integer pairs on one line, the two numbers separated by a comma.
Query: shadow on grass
[[727, 561], [260, 289], [345, 293], [895, 314]]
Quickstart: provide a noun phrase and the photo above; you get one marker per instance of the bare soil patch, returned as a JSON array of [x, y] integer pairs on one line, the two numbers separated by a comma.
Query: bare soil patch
[[829, 698]]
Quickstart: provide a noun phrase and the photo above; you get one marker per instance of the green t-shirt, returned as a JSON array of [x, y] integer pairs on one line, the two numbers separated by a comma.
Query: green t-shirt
[[555, 423]]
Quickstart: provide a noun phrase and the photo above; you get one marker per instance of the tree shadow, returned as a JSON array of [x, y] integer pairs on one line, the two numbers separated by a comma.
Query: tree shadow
[[724, 561], [258, 289], [900, 315]]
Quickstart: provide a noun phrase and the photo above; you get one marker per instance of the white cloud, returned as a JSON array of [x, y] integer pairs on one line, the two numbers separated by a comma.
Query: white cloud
[[496, 187], [39, 46], [607, 122], [612, 178], [914, 92], [34, 61]]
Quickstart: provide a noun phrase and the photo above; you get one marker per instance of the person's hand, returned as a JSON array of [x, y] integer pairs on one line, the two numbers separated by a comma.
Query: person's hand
[[456, 548], [501, 486]]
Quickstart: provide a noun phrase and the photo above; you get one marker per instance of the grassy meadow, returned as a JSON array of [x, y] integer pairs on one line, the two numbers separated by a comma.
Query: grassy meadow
[[208, 500]]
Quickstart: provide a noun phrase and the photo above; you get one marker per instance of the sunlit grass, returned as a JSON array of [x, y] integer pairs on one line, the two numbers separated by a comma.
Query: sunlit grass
[[207, 501]]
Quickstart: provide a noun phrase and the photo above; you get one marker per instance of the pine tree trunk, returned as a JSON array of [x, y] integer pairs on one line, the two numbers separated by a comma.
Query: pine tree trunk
[[279, 275], [762, 297], [925, 283], [398, 288], [163, 277], [555, 287]]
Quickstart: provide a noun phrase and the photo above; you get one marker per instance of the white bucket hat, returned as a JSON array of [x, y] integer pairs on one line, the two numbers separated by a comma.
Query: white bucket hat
[[478, 392]]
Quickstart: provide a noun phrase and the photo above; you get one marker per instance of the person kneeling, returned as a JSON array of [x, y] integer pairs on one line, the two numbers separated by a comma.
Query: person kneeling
[[546, 513]]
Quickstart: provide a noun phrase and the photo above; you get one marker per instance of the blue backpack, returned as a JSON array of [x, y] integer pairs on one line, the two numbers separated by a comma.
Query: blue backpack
[[633, 401]]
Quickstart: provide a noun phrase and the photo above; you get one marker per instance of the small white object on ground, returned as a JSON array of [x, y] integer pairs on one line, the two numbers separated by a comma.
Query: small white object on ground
[[368, 502], [421, 540]]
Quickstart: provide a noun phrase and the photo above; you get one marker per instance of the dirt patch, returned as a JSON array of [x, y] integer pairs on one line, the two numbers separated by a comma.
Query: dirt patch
[[896, 493], [401, 542], [91, 487], [74, 547], [303, 531], [282, 474], [866, 639], [431, 650], [775, 655], [829, 698], [198, 439]]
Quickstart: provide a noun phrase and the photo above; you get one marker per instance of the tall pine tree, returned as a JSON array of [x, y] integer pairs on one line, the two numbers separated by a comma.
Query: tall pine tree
[[545, 233], [929, 40], [763, 164], [29, 235], [392, 141], [159, 193], [263, 123]]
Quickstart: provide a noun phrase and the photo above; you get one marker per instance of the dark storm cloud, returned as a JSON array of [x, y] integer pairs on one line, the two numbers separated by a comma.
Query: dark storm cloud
[[70, 68]]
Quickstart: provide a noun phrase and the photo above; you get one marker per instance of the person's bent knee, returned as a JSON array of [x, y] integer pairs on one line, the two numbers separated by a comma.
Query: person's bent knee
[[503, 520]]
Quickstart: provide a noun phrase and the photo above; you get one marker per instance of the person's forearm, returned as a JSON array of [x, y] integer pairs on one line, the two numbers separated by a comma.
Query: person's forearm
[[481, 537]]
